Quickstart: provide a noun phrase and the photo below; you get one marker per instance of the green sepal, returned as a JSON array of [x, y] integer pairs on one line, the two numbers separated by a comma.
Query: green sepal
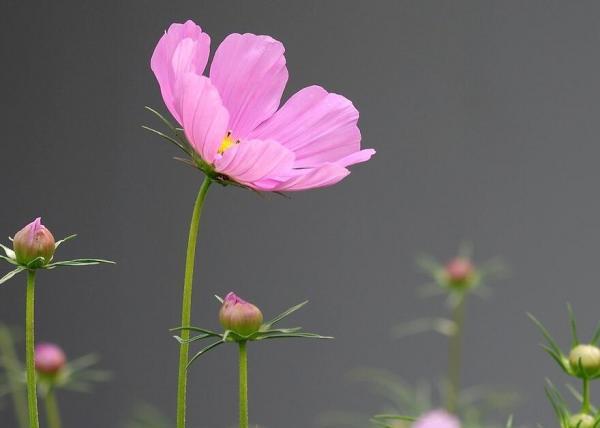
[[573, 324], [62, 241], [12, 273], [9, 260], [203, 351], [285, 314], [9, 252], [551, 342]]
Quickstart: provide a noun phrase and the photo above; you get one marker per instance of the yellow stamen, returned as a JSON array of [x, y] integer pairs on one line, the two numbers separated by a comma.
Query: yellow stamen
[[226, 143]]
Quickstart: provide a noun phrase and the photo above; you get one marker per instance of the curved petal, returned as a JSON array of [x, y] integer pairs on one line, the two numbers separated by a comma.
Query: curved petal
[[311, 178], [254, 160], [183, 48], [204, 118], [318, 126], [250, 73]]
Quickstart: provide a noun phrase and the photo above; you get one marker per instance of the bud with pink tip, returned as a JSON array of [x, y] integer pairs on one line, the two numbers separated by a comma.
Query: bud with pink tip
[[49, 358], [240, 316], [459, 271], [32, 242], [437, 419]]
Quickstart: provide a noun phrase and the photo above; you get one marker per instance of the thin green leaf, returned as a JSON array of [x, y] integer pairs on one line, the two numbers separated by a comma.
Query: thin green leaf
[[78, 262], [443, 326], [12, 273], [219, 298], [286, 313], [168, 138], [596, 336], [509, 422], [62, 241], [193, 339], [162, 118], [395, 417], [197, 329], [546, 334], [575, 340], [291, 335], [556, 357], [203, 351]]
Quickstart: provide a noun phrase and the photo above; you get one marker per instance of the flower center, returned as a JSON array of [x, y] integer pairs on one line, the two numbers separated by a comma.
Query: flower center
[[227, 143]]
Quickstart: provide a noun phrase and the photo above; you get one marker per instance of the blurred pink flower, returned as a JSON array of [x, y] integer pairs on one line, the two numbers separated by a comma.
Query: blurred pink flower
[[232, 120], [437, 419], [49, 358]]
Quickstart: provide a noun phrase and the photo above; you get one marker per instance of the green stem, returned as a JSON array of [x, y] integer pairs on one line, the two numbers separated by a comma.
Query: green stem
[[52, 411], [13, 374], [29, 351], [186, 307], [586, 406], [243, 385], [455, 355]]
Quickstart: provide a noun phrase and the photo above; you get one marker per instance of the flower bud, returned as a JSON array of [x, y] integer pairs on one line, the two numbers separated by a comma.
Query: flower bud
[[581, 420], [437, 419], [34, 241], [459, 271], [240, 316], [586, 357], [49, 358]]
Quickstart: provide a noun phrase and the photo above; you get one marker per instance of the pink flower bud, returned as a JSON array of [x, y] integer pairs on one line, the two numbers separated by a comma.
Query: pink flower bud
[[240, 316], [437, 419], [459, 271], [49, 358], [34, 241]]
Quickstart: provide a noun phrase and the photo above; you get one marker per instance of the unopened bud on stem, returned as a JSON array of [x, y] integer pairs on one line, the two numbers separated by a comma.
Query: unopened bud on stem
[[32, 242], [240, 316], [586, 358]]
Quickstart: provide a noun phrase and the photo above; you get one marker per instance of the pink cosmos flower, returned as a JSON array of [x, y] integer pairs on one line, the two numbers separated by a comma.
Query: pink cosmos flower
[[232, 117], [437, 419]]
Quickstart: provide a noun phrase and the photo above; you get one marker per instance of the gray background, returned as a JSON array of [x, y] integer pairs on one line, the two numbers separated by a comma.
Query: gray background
[[485, 118]]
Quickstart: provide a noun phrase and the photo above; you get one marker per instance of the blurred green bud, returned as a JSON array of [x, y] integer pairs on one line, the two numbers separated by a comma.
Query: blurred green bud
[[581, 420], [585, 360], [240, 316], [32, 242]]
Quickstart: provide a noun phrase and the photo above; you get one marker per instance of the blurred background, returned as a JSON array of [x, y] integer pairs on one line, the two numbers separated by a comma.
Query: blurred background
[[484, 116]]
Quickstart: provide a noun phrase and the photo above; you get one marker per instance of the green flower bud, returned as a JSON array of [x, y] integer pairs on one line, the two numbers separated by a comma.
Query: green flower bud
[[581, 420], [586, 357], [32, 242], [240, 316]]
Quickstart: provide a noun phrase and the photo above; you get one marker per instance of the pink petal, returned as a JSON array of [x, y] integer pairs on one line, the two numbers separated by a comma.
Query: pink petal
[[253, 160], [437, 419], [318, 126], [183, 48], [204, 118], [311, 178], [250, 73]]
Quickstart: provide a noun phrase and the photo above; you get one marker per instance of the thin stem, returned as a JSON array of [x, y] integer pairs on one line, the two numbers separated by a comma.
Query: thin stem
[[29, 351], [455, 355], [585, 405], [13, 374], [52, 411], [186, 307], [243, 385]]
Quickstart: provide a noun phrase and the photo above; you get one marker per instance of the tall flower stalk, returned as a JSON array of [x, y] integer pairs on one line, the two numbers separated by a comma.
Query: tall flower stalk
[[231, 128], [33, 249], [186, 306]]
